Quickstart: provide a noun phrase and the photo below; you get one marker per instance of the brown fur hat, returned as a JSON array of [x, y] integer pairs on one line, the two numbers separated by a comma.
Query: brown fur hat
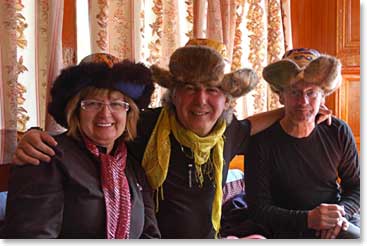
[[307, 65], [202, 64]]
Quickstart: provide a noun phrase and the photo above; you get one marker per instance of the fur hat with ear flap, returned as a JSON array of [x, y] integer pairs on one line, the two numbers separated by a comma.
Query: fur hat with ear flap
[[203, 64], [306, 65]]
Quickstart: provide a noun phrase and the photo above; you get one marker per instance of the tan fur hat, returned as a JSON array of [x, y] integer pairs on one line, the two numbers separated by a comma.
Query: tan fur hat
[[304, 65], [201, 63]]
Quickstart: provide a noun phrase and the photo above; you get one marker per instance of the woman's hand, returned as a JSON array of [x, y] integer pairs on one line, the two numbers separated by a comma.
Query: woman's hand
[[34, 147]]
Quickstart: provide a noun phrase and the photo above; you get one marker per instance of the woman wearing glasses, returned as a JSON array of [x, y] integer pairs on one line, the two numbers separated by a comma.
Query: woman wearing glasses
[[93, 188]]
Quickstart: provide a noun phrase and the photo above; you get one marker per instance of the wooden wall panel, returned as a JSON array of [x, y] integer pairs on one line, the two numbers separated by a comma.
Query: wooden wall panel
[[348, 34], [314, 24], [350, 103], [332, 27]]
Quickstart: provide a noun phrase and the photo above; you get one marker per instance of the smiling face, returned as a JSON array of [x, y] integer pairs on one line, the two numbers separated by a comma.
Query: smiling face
[[102, 126], [199, 107]]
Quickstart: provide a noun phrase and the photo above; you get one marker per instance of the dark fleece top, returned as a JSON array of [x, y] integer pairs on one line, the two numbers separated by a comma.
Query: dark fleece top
[[287, 176]]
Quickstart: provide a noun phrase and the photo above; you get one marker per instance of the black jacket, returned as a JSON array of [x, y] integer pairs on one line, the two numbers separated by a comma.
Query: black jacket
[[64, 199], [185, 212]]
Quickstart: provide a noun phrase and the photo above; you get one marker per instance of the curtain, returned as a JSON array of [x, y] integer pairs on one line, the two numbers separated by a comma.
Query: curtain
[[30, 59], [255, 32], [145, 30], [8, 75]]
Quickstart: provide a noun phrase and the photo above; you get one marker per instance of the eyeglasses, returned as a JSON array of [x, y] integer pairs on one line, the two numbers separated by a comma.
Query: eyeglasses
[[91, 105], [310, 94]]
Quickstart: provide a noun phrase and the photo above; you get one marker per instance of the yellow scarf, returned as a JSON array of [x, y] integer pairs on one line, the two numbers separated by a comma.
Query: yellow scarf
[[157, 155]]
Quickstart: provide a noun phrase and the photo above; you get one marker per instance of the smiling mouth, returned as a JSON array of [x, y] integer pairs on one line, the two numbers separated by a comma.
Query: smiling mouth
[[104, 124], [199, 113]]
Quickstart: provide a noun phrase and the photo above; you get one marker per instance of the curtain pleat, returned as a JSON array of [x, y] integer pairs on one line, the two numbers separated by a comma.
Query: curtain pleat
[[30, 59], [53, 62], [8, 76]]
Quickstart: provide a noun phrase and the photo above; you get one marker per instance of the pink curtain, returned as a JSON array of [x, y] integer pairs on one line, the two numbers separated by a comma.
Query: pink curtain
[[8, 86], [146, 31], [30, 59], [255, 32]]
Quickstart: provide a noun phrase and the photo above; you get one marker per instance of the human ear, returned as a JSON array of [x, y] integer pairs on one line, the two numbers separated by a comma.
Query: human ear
[[227, 103]]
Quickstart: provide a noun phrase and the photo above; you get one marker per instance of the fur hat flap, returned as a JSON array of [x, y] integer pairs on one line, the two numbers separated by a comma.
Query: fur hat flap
[[240, 82], [197, 64], [280, 74], [324, 71], [162, 76]]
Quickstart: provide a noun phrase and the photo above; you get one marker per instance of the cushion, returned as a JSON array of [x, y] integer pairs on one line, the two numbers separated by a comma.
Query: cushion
[[235, 184]]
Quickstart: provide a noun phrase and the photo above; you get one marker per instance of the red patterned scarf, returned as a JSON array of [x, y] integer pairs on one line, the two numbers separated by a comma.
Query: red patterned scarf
[[115, 189]]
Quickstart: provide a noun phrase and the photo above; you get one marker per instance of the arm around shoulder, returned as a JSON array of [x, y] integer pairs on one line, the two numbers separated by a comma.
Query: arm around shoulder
[[34, 146], [261, 121]]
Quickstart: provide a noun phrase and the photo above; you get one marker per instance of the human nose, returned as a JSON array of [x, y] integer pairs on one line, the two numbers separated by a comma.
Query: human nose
[[201, 96], [105, 109]]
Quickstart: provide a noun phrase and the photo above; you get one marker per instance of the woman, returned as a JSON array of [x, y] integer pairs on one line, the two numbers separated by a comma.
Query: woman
[[93, 188]]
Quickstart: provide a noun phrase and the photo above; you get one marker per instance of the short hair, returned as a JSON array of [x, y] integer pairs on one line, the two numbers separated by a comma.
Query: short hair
[[72, 112]]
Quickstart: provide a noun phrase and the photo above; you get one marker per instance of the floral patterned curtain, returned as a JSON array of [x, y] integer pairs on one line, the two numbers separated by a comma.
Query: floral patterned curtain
[[145, 30], [255, 32], [8, 75], [30, 58]]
